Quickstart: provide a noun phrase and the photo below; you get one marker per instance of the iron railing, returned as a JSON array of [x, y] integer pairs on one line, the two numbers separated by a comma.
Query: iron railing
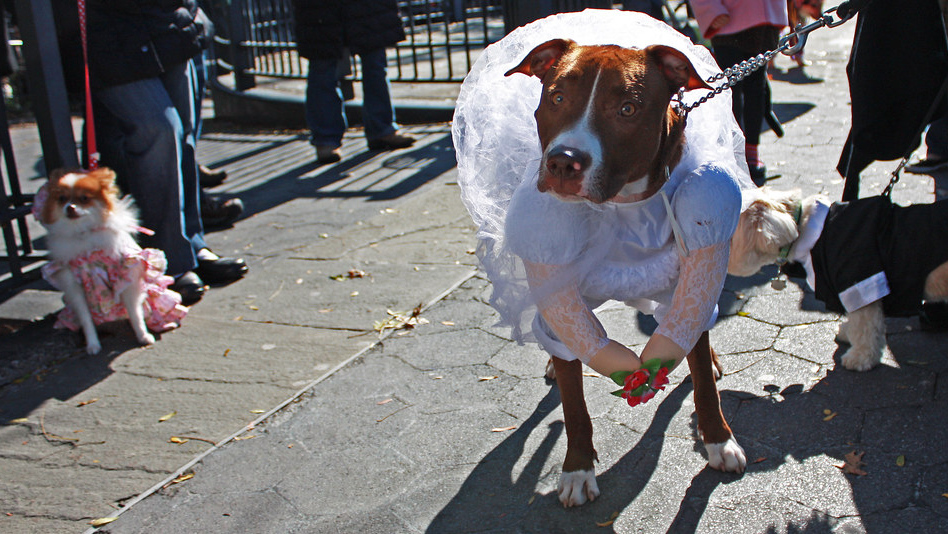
[[256, 38]]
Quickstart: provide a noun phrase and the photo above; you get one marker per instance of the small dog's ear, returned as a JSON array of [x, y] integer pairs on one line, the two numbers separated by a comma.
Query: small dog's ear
[[106, 178], [57, 174], [677, 68], [539, 61]]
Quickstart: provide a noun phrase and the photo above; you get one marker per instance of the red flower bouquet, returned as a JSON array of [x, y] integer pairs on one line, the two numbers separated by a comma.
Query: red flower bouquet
[[641, 385]]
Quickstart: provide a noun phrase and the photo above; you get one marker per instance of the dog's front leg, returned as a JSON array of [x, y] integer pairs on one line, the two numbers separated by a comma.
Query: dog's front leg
[[74, 297], [864, 329], [723, 451], [578, 481], [133, 298]]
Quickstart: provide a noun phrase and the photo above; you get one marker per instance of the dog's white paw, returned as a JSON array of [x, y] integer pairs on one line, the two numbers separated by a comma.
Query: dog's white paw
[[727, 456], [577, 487], [146, 339], [550, 370], [860, 360], [93, 346]]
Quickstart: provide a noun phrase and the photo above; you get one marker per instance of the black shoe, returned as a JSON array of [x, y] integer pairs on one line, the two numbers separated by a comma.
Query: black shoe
[[391, 142], [211, 177], [221, 270], [190, 286], [216, 211], [758, 173]]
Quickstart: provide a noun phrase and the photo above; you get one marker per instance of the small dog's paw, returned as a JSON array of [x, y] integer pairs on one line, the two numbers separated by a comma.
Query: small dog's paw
[[147, 339], [93, 347], [860, 360], [577, 487], [842, 335], [727, 456]]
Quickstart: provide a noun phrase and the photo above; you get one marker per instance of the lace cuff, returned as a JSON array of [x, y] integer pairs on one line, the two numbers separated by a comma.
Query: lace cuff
[[565, 311], [700, 281]]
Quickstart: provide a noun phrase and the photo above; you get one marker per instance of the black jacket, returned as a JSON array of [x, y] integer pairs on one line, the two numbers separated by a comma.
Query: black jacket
[[325, 27], [871, 235], [131, 40], [897, 65]]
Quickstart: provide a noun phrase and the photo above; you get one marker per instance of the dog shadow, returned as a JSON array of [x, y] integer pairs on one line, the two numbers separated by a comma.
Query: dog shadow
[[519, 506], [39, 363]]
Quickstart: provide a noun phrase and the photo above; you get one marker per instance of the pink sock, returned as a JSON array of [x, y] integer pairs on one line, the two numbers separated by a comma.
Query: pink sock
[[750, 152]]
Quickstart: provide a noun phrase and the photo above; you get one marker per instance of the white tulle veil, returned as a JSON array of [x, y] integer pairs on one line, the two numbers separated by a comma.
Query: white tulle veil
[[497, 146]]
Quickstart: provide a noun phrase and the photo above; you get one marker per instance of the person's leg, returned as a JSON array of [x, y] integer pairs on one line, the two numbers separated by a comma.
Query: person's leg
[[325, 115], [180, 82], [378, 114], [152, 137]]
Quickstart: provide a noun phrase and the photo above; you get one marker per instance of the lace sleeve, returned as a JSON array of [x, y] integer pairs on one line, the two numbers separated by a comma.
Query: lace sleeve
[[699, 286], [565, 311]]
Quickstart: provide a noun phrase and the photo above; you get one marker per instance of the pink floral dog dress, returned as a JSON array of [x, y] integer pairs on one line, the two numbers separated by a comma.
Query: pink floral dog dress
[[103, 278]]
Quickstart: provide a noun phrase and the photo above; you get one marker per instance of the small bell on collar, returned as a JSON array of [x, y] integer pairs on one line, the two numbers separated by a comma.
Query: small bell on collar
[[779, 282]]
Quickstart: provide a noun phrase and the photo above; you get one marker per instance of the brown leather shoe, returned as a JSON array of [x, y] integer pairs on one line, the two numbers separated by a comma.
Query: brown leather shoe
[[391, 141], [327, 154]]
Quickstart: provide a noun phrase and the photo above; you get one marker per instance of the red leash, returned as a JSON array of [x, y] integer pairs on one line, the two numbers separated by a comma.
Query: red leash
[[91, 153]]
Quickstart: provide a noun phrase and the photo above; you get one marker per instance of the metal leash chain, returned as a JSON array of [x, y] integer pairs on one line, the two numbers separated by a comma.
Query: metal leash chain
[[738, 72]]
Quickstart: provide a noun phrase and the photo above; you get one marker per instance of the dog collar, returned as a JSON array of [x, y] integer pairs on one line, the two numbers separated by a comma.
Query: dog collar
[[785, 250]]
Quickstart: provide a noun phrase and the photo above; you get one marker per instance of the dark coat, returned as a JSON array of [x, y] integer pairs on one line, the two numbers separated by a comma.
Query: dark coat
[[870, 235], [897, 65], [325, 27], [132, 40]]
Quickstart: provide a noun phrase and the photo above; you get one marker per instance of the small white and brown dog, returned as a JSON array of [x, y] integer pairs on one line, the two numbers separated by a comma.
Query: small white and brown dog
[[866, 258], [95, 261]]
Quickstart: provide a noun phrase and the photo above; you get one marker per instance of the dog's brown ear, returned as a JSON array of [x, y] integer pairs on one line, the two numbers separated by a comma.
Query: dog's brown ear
[[106, 178], [540, 59], [677, 68], [57, 174]]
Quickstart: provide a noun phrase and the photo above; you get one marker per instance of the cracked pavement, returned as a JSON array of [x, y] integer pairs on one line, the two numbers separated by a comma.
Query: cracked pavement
[[450, 426]]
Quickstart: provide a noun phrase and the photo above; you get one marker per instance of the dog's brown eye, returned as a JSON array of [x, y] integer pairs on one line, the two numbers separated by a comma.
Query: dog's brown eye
[[557, 97], [627, 109], [62, 199]]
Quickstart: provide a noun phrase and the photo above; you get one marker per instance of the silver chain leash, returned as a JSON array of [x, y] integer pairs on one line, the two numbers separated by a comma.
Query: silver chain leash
[[738, 72]]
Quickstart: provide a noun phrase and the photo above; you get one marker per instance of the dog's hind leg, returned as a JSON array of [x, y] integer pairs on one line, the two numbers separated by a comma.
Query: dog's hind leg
[[133, 298], [578, 481], [936, 284], [74, 296], [724, 453], [865, 331]]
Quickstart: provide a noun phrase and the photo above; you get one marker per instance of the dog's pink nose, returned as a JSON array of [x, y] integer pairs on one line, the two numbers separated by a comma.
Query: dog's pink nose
[[72, 211], [567, 163]]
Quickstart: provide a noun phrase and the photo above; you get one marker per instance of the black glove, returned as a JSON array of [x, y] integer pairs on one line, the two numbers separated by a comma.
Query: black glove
[[848, 9]]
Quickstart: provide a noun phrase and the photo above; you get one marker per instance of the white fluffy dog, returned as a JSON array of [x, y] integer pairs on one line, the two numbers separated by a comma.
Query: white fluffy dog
[[867, 258]]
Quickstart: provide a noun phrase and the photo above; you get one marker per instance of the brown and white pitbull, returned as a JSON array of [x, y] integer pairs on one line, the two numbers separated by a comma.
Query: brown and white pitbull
[[608, 131]]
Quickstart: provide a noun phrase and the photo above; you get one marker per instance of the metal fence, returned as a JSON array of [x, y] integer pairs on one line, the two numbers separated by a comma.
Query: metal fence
[[256, 38]]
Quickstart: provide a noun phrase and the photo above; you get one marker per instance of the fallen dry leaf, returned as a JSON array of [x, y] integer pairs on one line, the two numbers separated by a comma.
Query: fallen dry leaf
[[447, 323], [611, 520], [181, 478], [532, 498], [486, 378], [900, 460], [503, 429], [18, 420], [761, 459], [165, 417], [84, 403], [829, 414], [226, 352], [176, 439], [853, 464], [241, 438], [257, 411], [102, 521], [386, 401]]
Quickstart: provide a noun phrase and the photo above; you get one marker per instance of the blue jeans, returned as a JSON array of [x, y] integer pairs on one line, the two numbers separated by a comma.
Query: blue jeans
[[325, 114], [145, 132]]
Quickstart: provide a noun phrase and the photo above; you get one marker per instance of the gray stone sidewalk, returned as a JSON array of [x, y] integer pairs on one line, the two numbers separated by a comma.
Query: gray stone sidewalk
[[450, 426]]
